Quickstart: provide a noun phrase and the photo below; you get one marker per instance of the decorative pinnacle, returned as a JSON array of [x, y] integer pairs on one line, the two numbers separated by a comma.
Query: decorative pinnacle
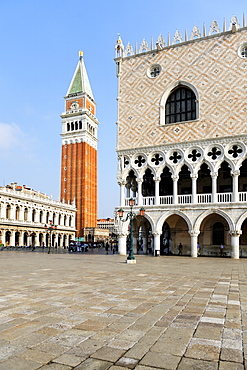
[[80, 54]]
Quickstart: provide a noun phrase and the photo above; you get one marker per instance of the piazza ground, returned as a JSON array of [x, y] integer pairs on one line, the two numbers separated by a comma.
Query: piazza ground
[[93, 311]]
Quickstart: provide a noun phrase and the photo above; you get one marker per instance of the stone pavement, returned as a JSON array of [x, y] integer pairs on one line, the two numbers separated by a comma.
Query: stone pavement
[[94, 311]]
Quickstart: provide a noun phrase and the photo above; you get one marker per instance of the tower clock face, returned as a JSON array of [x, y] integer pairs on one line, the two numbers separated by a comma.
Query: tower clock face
[[74, 105]]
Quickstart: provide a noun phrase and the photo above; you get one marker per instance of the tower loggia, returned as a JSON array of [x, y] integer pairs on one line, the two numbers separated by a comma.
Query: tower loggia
[[79, 149]]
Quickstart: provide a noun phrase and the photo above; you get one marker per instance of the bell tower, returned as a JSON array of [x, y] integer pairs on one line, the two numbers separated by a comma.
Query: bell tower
[[79, 149]]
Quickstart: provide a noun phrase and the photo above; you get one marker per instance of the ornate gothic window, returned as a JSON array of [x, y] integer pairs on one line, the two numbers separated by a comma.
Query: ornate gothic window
[[154, 70], [180, 105], [242, 51]]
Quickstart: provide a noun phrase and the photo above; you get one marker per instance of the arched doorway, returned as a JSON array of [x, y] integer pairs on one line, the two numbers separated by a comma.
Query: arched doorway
[[131, 185], [184, 182], [175, 231], [214, 231], [204, 181], [224, 180], [7, 238], [166, 183], [243, 240], [17, 239], [165, 240]]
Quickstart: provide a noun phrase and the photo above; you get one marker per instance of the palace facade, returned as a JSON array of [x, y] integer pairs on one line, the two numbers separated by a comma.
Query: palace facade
[[182, 141], [25, 216]]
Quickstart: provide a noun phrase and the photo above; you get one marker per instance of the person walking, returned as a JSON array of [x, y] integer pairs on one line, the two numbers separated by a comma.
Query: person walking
[[106, 247], [180, 249], [221, 250]]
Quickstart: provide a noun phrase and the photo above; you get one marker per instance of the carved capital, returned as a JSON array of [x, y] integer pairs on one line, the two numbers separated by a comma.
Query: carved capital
[[194, 176], [194, 233], [157, 179], [155, 234], [235, 232], [122, 234], [235, 173], [214, 175], [122, 182]]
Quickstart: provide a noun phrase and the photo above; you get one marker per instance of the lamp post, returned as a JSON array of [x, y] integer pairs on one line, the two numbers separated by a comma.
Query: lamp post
[[50, 227], [130, 216]]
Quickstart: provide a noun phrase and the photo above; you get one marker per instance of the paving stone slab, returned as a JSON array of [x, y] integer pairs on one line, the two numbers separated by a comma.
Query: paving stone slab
[[15, 363], [68, 359], [93, 364], [168, 362], [108, 354], [230, 366], [192, 364]]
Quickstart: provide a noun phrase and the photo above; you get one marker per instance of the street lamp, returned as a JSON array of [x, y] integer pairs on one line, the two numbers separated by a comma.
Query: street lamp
[[50, 227], [130, 216]]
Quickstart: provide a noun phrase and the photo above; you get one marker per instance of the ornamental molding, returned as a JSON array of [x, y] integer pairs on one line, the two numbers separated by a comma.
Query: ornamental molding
[[204, 143]]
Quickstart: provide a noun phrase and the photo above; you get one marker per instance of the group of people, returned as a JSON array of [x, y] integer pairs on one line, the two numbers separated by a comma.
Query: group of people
[[180, 249]]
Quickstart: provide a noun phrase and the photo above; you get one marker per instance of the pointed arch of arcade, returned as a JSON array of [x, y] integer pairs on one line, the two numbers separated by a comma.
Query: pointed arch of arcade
[[166, 215], [240, 221], [209, 212]]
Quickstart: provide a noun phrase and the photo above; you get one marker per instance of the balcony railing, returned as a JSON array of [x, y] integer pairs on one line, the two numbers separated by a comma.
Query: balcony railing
[[224, 197], [187, 199], [167, 199], [204, 198]]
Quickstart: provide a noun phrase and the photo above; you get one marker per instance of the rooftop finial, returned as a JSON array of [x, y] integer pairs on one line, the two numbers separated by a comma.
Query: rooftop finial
[[80, 54]]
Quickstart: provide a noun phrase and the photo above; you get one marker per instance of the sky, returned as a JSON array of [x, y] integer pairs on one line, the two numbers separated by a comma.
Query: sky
[[40, 41]]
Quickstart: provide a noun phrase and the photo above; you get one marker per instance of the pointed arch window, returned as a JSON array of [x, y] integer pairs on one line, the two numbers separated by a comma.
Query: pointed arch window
[[180, 105]]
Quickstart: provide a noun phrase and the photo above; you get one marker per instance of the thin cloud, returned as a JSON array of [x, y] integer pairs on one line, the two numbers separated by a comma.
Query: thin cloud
[[11, 136]]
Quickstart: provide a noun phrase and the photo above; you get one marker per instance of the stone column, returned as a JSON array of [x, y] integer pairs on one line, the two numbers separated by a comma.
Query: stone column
[[156, 243], [235, 234], [3, 237], [145, 244], [20, 238], [36, 239], [157, 191], [56, 219], [194, 192], [12, 238], [12, 212], [134, 236], [122, 243], [235, 174], [36, 216], [21, 213], [193, 243], [139, 200], [175, 188], [3, 210], [29, 215], [122, 193], [214, 176]]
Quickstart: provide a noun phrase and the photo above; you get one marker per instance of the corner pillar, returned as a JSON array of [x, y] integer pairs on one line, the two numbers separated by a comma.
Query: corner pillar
[[122, 244], [193, 243], [235, 234], [156, 236]]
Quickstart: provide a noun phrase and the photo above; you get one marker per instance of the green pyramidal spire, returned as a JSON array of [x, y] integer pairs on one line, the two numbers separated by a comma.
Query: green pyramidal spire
[[80, 82]]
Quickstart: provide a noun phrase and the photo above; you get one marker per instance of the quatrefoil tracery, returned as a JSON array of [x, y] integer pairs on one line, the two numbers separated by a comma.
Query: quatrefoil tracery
[[157, 159], [194, 155], [139, 161], [175, 157], [214, 153], [126, 162], [235, 151]]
